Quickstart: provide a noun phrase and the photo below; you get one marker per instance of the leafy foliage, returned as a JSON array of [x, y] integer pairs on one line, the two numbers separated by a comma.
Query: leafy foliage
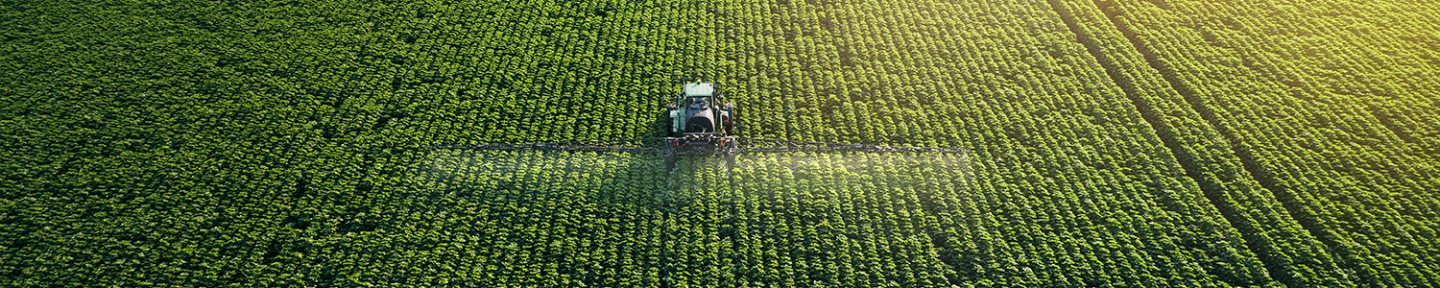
[[279, 143], [1323, 108], [1290, 253]]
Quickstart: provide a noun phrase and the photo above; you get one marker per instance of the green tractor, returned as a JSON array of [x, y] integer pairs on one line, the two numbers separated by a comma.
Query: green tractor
[[697, 110], [699, 124]]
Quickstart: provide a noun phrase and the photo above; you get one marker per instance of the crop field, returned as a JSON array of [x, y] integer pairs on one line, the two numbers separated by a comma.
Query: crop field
[[1126, 143]]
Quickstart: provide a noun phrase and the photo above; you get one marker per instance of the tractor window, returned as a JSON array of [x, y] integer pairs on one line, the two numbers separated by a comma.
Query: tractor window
[[696, 102]]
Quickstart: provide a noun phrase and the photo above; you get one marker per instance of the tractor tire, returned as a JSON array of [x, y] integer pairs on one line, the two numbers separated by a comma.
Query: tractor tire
[[730, 152], [668, 123], [669, 161], [730, 125]]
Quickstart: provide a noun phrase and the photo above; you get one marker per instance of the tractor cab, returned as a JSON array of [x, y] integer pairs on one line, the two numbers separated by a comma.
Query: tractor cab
[[697, 110]]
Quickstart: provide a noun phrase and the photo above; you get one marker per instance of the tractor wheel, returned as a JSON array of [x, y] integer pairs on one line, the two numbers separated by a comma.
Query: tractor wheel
[[730, 125], [730, 152], [669, 161], [668, 123]]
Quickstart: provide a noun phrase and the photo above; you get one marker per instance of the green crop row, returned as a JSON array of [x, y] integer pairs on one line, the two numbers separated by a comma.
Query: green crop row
[[1327, 109], [610, 220], [1073, 187], [1291, 254]]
